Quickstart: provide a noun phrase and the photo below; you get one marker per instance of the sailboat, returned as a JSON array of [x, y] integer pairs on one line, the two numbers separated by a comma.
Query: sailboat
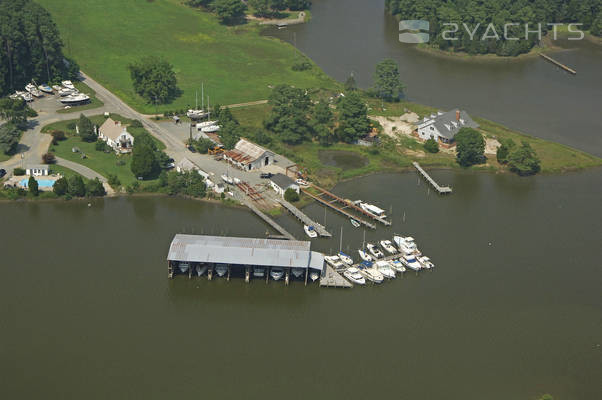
[[342, 256], [197, 113]]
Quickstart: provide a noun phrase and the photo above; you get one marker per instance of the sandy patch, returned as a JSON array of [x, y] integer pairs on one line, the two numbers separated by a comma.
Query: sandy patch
[[394, 126], [491, 146]]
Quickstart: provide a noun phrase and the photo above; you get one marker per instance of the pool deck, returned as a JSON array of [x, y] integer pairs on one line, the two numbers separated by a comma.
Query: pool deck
[[15, 181]]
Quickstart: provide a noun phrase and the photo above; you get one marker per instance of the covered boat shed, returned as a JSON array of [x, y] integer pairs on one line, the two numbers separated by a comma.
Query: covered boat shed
[[243, 253]]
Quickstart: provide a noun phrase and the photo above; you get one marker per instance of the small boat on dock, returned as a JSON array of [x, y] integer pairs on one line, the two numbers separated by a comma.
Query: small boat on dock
[[310, 231], [354, 223], [410, 262], [385, 268], [334, 261], [354, 276], [345, 258], [397, 266], [365, 256], [258, 272], [375, 251], [426, 262], [277, 273], [370, 273], [221, 270], [388, 246]]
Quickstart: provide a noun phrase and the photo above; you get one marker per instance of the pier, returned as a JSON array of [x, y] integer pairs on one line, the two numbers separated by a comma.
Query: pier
[[268, 220], [321, 230], [341, 210], [332, 278], [385, 258], [558, 64], [425, 175]]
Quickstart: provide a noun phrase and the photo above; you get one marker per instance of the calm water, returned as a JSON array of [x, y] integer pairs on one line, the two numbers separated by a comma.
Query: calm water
[[88, 312], [530, 95], [342, 159]]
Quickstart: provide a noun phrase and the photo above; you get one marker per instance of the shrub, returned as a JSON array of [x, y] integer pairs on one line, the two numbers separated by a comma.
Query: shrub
[[32, 185], [114, 181], [71, 126], [18, 171], [95, 188], [136, 124], [48, 158], [58, 136], [61, 187], [301, 66], [503, 151], [431, 146], [291, 195], [100, 145], [77, 187], [133, 187], [9, 138]]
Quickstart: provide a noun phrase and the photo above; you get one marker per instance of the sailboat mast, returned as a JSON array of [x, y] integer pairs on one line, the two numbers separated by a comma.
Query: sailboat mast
[[196, 99], [202, 96], [341, 241]]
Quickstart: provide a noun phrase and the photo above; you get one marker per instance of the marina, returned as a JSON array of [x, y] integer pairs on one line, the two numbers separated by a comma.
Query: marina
[[301, 216], [425, 175]]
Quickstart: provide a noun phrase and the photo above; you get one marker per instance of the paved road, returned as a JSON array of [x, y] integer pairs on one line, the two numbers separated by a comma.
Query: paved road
[[80, 169]]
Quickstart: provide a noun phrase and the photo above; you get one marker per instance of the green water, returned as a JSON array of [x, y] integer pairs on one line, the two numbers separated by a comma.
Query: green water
[[342, 159], [88, 312]]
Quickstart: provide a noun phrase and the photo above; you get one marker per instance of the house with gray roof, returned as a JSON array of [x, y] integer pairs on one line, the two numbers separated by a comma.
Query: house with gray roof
[[443, 127], [280, 183]]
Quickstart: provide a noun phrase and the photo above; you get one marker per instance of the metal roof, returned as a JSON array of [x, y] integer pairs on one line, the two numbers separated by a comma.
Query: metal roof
[[282, 181], [244, 251], [250, 149]]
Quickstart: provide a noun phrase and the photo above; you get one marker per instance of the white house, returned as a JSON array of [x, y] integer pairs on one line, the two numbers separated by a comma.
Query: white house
[[443, 127], [116, 136], [37, 170], [280, 183], [249, 156]]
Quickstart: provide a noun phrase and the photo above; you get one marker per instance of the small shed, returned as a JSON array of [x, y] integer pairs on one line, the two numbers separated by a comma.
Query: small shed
[[37, 170], [281, 183]]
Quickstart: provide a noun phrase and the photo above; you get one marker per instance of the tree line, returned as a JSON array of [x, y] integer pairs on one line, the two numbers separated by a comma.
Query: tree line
[[486, 18], [30, 47], [233, 12]]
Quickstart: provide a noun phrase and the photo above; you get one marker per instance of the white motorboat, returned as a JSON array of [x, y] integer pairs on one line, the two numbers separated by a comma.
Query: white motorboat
[[276, 273], [354, 276], [183, 266], [258, 272], [364, 256], [345, 258], [388, 246], [205, 124], [68, 84], [302, 182], [310, 231], [314, 276], [406, 244], [66, 92], [26, 96], [221, 269], [46, 89], [385, 268], [75, 99], [372, 209], [201, 269], [227, 179], [371, 273], [298, 272], [397, 266], [410, 262], [196, 114], [56, 88], [375, 251], [33, 90], [426, 262], [334, 261], [210, 129], [354, 223]]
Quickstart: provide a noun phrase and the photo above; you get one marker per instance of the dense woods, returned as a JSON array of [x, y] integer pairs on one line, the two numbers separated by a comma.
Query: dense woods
[[498, 13], [30, 47]]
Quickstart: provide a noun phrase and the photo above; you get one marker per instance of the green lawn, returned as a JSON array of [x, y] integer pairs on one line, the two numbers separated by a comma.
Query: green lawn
[[235, 64], [94, 102]]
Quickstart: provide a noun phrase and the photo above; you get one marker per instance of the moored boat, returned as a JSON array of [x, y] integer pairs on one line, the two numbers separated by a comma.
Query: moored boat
[[364, 256], [221, 269], [385, 268], [397, 266], [334, 261], [201, 269], [370, 273], [426, 262], [310, 231], [345, 258], [258, 272], [374, 210], [406, 244], [298, 272], [354, 276], [314, 276], [374, 250], [409, 260], [388, 246], [276, 273], [183, 266]]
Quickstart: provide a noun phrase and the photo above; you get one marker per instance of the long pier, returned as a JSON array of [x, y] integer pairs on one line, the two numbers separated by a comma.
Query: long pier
[[320, 229], [341, 210], [438, 188], [558, 64], [347, 204], [268, 220], [332, 278]]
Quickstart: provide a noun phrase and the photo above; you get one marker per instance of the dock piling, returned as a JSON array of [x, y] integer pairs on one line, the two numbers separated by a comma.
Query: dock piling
[[425, 175]]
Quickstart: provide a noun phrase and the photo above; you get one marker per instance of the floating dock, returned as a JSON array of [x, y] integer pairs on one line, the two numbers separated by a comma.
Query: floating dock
[[332, 278], [558, 64], [425, 175], [300, 215], [341, 210]]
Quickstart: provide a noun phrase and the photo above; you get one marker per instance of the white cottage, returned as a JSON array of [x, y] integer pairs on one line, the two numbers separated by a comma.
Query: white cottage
[[116, 136], [443, 127], [281, 183]]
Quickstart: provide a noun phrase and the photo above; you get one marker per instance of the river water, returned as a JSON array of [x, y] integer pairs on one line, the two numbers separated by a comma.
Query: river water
[[513, 309]]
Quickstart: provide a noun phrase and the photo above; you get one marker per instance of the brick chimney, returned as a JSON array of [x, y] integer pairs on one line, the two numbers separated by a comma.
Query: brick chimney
[[458, 115]]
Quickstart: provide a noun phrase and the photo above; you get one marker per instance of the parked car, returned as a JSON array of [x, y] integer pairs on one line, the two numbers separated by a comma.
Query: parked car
[[266, 175], [2, 173]]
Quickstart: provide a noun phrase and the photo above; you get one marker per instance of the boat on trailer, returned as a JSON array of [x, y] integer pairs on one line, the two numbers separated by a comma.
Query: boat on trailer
[[68, 84], [46, 89], [75, 99]]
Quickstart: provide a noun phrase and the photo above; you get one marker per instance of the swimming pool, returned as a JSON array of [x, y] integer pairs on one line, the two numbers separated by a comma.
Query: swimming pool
[[42, 183]]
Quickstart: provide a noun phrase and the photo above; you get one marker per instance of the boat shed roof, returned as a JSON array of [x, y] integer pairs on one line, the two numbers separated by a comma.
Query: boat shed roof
[[244, 251]]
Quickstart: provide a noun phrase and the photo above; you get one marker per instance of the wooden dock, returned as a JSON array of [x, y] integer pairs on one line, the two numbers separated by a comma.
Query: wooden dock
[[425, 175], [268, 220], [300, 215], [558, 64], [386, 258], [332, 278], [339, 209]]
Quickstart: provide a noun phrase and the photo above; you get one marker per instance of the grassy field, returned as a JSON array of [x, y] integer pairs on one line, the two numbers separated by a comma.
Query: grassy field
[[94, 102], [235, 64]]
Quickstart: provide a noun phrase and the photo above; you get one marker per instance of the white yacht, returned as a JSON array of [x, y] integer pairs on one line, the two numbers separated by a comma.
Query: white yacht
[[372, 209], [385, 268], [364, 256], [397, 266], [201, 269], [74, 99], [210, 129], [370, 273], [258, 272], [314, 275], [66, 92], [354, 276], [196, 114], [426, 262], [45, 88], [375, 251], [310, 231], [406, 244], [205, 124], [276, 273], [410, 262], [221, 269], [68, 84], [33, 90], [183, 267], [26, 96], [56, 87], [334, 261], [388, 246], [345, 258], [298, 272]]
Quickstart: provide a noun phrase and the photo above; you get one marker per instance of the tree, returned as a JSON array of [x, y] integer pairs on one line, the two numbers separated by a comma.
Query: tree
[[61, 186], [596, 28], [291, 195], [100, 145], [189, 183], [470, 147], [350, 84], [506, 145], [48, 158], [431, 146], [387, 83], [32, 185], [353, 118], [144, 161], [524, 161], [114, 181], [230, 11], [289, 115], [9, 138], [95, 188], [154, 79], [58, 136], [261, 7], [86, 129], [322, 123], [77, 188], [16, 111]]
